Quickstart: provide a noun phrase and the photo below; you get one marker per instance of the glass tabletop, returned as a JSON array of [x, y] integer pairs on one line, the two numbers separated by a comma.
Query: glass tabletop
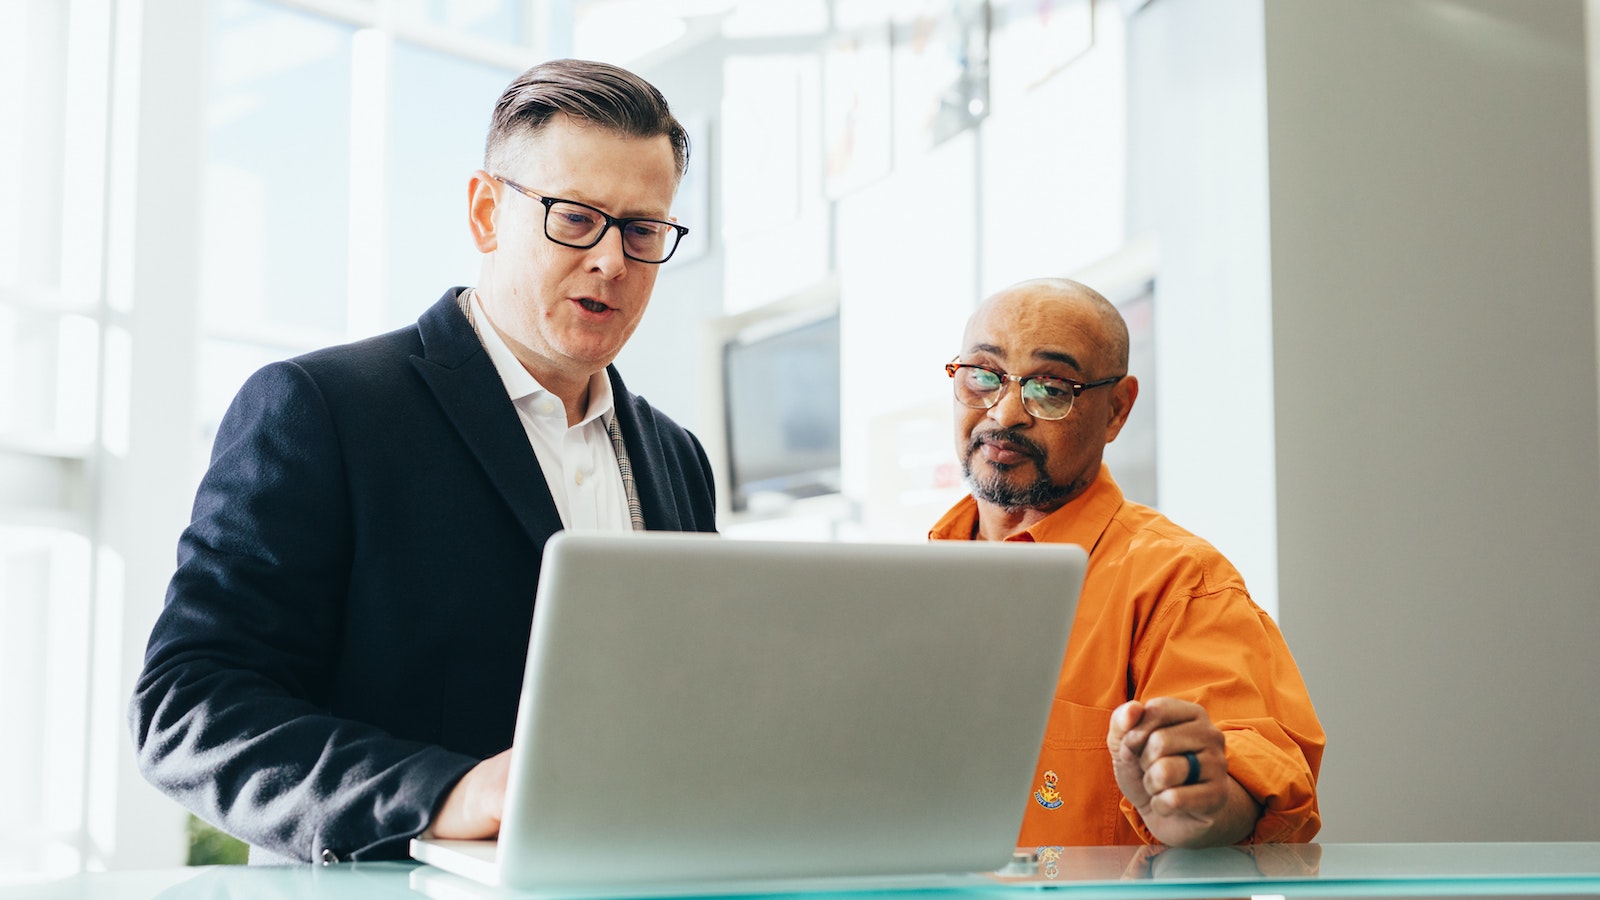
[[1115, 873]]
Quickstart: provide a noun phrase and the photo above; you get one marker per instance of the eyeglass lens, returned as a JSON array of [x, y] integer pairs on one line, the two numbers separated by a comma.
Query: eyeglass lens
[[1043, 397], [578, 225]]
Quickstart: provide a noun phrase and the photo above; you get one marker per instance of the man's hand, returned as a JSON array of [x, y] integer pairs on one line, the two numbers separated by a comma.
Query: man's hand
[[1150, 746], [476, 804]]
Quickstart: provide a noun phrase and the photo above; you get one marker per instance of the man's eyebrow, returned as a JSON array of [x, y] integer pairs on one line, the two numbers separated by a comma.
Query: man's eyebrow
[[576, 196], [1047, 355], [1058, 356]]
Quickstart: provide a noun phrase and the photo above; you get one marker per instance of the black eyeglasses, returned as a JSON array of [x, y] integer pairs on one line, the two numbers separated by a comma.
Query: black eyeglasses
[[573, 224], [1043, 396]]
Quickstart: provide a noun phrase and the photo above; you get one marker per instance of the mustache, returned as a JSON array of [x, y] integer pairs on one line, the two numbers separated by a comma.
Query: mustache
[[1011, 436]]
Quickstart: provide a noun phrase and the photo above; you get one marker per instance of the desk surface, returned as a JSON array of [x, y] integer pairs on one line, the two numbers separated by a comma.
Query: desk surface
[[1116, 873]]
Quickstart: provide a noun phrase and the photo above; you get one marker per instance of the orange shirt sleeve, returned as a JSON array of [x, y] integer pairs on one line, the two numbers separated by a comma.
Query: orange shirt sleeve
[[1207, 642]]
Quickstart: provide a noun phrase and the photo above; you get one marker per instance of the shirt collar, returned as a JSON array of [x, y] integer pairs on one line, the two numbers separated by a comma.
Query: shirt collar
[[520, 383], [1080, 522]]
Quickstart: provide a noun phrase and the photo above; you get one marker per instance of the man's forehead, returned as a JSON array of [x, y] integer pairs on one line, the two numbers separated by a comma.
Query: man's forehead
[[1033, 328]]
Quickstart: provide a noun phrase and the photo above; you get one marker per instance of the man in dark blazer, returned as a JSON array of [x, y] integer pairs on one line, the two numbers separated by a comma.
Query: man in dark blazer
[[337, 666]]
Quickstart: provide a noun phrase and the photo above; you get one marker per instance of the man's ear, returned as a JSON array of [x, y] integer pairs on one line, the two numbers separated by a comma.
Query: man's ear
[[482, 203], [1123, 394]]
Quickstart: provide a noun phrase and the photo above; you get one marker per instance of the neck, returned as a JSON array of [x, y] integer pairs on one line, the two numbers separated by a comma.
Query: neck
[[572, 388], [575, 401]]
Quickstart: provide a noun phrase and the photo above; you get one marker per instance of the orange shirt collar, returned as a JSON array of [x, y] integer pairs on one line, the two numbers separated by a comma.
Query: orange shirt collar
[[1080, 522]]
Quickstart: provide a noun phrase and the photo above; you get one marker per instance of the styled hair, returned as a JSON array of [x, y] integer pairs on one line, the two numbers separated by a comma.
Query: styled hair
[[596, 92]]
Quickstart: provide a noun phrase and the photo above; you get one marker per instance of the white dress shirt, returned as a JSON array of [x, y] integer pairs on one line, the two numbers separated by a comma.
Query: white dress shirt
[[579, 462]]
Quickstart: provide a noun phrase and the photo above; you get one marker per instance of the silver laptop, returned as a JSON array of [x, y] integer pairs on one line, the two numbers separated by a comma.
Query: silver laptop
[[706, 715]]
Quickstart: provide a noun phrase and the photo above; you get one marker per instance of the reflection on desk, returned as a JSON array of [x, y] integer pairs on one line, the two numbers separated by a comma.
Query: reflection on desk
[[1113, 873], [1307, 870], [1244, 863]]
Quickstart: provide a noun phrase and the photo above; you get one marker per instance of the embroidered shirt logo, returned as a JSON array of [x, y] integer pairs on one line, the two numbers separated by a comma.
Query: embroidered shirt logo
[[1047, 795]]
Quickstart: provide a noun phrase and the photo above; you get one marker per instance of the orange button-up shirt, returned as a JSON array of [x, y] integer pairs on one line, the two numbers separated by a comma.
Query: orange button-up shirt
[[1161, 614]]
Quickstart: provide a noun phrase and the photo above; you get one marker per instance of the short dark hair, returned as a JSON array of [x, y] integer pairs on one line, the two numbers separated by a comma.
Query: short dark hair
[[598, 92]]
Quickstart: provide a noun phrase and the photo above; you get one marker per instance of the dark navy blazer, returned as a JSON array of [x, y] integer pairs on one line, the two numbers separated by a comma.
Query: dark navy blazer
[[346, 630]]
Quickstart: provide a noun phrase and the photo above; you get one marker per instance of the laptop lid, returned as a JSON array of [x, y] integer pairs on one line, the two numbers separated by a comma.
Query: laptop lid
[[699, 710]]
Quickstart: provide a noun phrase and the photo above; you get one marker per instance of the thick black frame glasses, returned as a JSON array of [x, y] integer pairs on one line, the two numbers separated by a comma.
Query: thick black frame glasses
[[643, 240], [1042, 395]]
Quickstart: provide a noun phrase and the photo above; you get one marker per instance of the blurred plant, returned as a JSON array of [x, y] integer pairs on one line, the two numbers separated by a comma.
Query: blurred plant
[[211, 847]]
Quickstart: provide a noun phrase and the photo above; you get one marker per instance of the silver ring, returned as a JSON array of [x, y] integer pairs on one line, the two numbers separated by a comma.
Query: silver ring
[[1194, 768]]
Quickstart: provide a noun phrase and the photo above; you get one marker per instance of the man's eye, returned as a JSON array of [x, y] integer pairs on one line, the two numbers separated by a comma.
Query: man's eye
[[1051, 388]]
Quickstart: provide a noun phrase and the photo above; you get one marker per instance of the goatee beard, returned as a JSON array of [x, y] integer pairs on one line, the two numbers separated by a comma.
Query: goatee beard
[[1041, 493]]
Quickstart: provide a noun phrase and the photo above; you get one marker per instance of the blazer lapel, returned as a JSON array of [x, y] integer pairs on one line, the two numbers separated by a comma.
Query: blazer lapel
[[651, 474], [468, 388]]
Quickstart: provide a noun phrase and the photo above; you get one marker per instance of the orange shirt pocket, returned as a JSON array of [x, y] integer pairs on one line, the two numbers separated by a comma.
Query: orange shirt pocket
[[1075, 798]]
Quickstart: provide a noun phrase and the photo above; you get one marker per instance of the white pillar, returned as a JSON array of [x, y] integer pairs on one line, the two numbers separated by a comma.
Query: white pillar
[[152, 288]]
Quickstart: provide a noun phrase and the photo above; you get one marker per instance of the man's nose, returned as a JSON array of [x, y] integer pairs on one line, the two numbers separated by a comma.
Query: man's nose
[[607, 256], [1008, 411]]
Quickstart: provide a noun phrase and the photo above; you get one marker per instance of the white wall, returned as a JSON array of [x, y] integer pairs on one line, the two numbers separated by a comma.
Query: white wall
[[1433, 322], [1197, 183]]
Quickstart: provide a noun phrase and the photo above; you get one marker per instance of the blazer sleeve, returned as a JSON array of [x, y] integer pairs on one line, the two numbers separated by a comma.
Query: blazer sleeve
[[229, 713]]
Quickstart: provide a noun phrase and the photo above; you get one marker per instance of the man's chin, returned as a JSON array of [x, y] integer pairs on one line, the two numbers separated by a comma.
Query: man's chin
[[590, 355], [1010, 495]]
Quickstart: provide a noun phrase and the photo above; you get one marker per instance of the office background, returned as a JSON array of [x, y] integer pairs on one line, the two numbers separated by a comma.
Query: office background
[[1363, 231]]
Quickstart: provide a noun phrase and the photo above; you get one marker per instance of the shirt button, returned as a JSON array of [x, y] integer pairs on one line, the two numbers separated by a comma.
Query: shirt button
[[545, 407], [578, 477]]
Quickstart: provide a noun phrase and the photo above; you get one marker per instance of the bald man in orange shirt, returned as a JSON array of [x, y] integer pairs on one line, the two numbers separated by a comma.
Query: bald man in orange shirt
[[1180, 717]]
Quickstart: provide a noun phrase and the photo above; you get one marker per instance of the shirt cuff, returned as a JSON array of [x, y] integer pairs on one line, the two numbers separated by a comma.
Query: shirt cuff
[[1282, 785]]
